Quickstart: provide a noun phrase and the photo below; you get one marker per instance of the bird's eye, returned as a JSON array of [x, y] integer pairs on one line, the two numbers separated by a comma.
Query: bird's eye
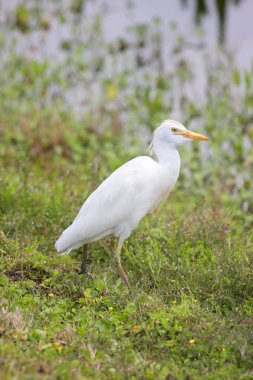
[[174, 130]]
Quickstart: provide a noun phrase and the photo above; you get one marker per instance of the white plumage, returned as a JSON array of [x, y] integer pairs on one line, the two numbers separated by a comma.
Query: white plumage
[[129, 193]]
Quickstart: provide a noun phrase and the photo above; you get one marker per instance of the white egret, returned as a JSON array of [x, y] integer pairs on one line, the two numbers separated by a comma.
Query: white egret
[[128, 194]]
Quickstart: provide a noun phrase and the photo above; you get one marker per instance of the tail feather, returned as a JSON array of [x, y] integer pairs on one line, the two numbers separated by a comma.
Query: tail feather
[[68, 240]]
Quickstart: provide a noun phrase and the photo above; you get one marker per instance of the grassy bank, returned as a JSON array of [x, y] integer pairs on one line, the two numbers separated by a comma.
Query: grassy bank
[[188, 316]]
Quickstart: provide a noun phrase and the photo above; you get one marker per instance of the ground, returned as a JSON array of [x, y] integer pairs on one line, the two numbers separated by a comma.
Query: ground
[[187, 316]]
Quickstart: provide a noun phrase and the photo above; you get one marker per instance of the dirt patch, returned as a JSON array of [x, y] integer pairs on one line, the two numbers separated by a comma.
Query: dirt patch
[[27, 272]]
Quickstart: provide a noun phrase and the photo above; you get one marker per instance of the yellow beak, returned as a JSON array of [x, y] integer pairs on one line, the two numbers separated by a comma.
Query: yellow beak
[[193, 135]]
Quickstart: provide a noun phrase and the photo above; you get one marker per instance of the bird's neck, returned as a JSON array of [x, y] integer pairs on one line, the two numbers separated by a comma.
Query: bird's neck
[[165, 153]]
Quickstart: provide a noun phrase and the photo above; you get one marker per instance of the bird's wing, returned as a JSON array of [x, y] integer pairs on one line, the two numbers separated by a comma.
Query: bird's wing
[[119, 197], [117, 205]]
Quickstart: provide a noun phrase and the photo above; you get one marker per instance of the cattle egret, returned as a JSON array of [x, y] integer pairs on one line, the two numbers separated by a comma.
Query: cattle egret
[[128, 194]]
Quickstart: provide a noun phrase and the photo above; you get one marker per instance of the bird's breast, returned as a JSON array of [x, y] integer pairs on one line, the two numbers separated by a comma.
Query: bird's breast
[[163, 183], [154, 188]]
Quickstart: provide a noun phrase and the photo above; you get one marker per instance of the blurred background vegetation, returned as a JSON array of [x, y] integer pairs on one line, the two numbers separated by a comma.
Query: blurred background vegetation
[[69, 91]]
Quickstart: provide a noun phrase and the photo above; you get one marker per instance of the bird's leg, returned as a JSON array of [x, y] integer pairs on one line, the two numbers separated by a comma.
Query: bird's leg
[[121, 270], [84, 260]]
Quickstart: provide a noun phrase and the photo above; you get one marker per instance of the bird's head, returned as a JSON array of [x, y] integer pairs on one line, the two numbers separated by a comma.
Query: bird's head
[[173, 133]]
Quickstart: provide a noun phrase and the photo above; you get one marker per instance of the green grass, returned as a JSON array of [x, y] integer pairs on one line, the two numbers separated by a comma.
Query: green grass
[[188, 315]]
